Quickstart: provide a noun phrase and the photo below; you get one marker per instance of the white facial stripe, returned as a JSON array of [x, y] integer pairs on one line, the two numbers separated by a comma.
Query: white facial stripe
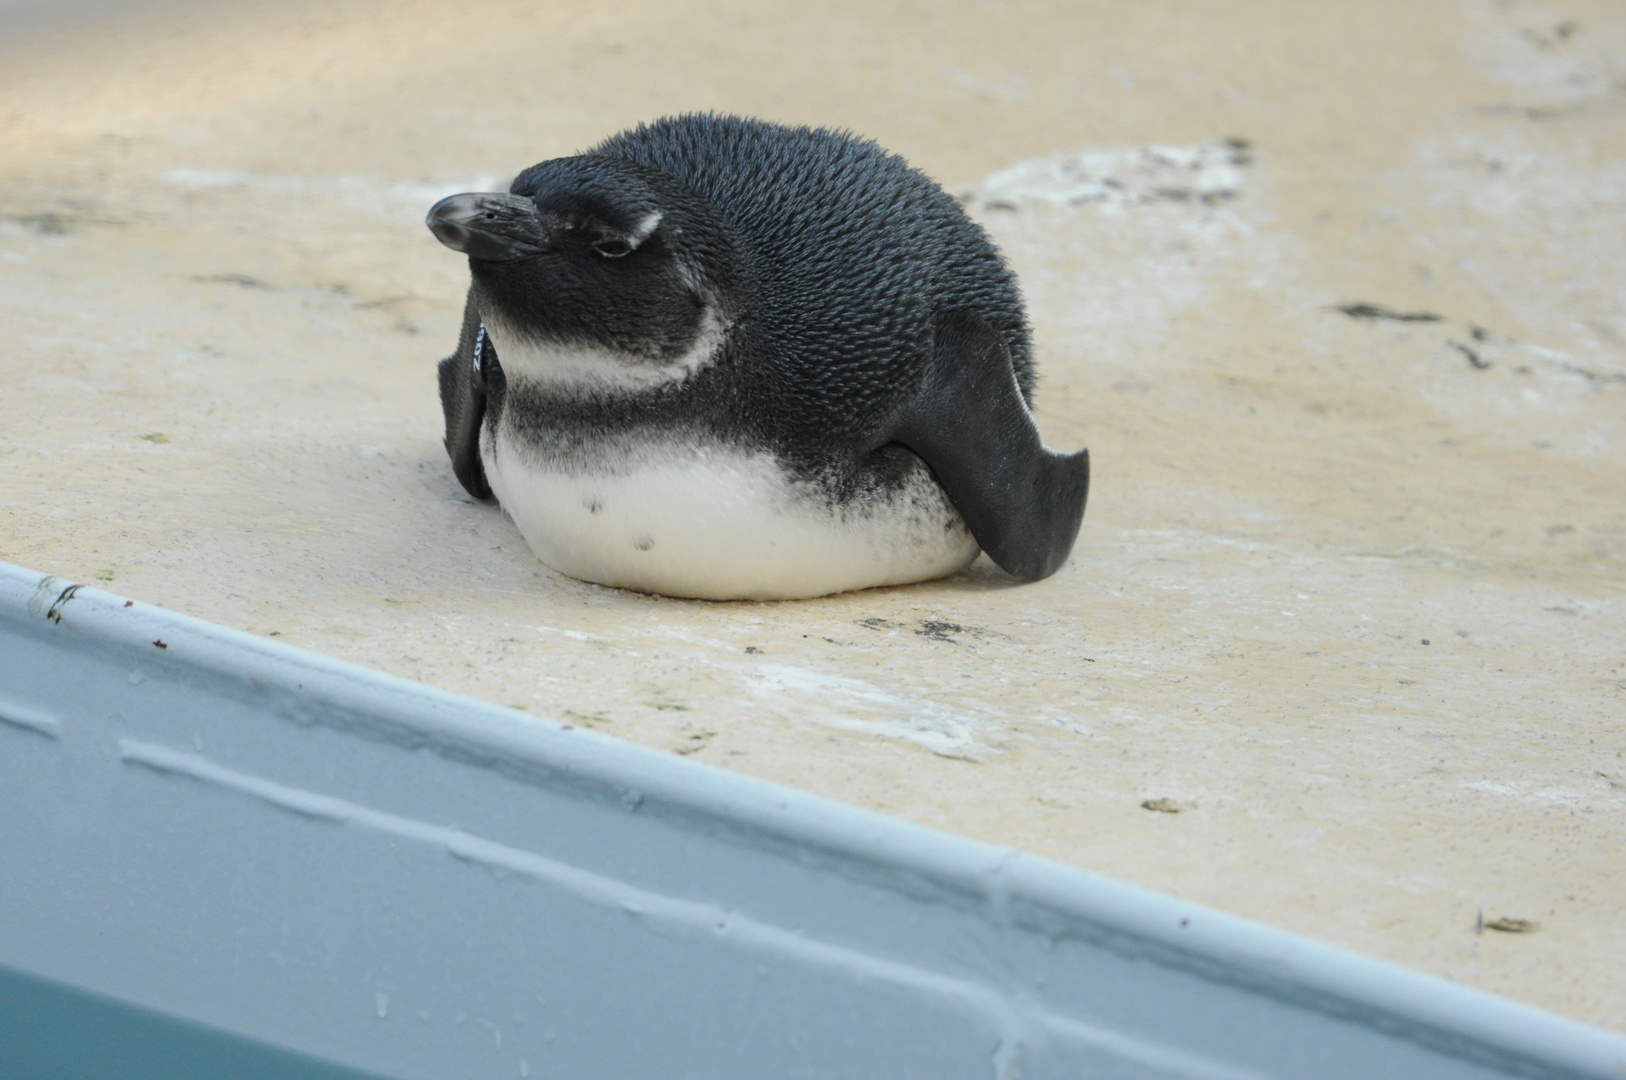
[[584, 367], [720, 524], [641, 231]]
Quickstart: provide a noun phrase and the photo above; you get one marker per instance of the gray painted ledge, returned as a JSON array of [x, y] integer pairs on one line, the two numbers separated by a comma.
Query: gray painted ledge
[[253, 850]]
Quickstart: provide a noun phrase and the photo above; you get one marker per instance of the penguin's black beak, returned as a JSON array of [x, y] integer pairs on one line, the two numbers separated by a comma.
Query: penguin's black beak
[[490, 226]]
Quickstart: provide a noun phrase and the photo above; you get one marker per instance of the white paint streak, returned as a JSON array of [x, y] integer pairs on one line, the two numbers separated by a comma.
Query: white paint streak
[[573, 635], [1205, 171], [1539, 796], [840, 701]]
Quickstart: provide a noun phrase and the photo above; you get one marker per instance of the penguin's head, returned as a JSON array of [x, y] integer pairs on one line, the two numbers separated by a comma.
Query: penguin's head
[[593, 251]]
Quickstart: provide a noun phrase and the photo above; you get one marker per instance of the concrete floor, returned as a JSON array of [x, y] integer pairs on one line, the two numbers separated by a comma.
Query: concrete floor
[[1349, 596]]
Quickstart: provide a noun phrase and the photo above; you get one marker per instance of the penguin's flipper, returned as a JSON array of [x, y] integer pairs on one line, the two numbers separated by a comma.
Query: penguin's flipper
[[463, 399], [969, 423]]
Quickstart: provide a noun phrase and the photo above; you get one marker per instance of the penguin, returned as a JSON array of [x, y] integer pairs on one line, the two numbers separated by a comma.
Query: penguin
[[722, 358]]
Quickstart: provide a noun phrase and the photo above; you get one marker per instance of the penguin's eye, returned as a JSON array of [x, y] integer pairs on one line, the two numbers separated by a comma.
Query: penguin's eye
[[612, 248]]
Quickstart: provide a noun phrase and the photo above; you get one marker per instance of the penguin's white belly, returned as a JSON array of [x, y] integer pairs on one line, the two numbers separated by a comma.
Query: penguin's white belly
[[720, 524]]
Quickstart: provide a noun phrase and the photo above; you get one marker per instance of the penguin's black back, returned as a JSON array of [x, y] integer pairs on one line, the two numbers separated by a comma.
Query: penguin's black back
[[849, 258]]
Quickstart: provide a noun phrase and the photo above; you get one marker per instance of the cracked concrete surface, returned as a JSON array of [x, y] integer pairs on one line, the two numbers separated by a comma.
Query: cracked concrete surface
[[1342, 646]]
